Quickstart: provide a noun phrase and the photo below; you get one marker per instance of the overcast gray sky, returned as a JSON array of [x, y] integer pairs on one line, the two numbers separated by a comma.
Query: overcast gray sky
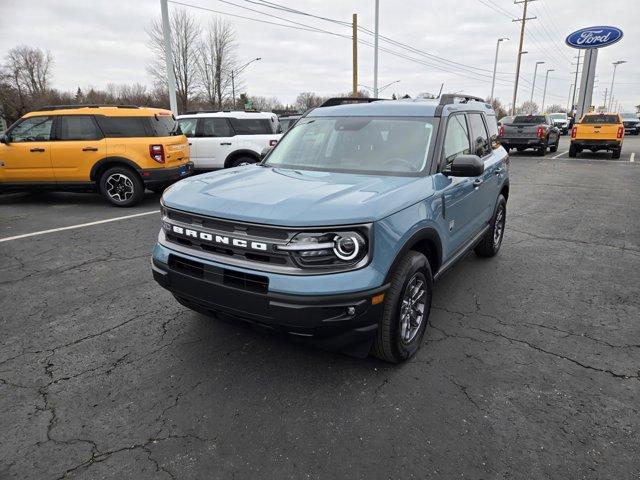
[[99, 42]]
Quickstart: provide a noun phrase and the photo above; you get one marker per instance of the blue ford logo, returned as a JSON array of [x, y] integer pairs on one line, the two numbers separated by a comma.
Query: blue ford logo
[[594, 37]]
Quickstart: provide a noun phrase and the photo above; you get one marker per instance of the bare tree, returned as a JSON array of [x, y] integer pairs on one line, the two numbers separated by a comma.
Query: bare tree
[[497, 107], [307, 100], [185, 37], [30, 69], [556, 108], [528, 107], [216, 60]]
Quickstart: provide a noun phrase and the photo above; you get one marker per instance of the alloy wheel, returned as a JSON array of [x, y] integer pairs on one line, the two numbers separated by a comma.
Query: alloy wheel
[[119, 187], [412, 307]]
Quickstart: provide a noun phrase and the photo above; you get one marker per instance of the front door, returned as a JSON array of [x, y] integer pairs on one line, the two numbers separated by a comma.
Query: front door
[[77, 145], [26, 157], [215, 142]]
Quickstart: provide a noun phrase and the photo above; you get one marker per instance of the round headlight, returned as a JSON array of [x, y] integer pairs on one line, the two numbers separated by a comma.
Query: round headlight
[[346, 247]]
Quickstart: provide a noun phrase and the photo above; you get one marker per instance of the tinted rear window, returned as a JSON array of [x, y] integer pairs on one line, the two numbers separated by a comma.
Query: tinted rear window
[[531, 119], [127, 127], [601, 119], [253, 126]]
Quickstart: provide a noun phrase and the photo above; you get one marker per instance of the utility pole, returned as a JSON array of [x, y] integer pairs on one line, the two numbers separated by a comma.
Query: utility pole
[[535, 74], [168, 57], [233, 89], [575, 83], [569, 98], [604, 105], [615, 66], [495, 67], [544, 94], [355, 55], [524, 21], [375, 51]]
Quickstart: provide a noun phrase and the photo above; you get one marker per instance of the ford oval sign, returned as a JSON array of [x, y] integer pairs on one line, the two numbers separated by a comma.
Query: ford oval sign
[[594, 37]]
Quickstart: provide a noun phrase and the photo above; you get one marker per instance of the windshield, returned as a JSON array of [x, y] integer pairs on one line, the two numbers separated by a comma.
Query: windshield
[[629, 116], [600, 119], [558, 116], [371, 145], [530, 119]]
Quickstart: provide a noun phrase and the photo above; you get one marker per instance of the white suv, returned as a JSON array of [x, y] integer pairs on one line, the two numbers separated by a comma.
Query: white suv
[[228, 139]]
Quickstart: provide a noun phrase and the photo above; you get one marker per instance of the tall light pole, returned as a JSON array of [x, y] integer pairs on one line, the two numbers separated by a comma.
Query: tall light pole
[[495, 67], [515, 89], [544, 94], [236, 72], [569, 98], [615, 66], [375, 51], [535, 74], [523, 22], [168, 57]]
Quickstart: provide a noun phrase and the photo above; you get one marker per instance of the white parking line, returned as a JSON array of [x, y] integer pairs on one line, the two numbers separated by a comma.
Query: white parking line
[[82, 225], [633, 157], [560, 154]]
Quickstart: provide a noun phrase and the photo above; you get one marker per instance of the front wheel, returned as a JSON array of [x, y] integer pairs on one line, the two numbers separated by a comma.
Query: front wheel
[[121, 186], [237, 162], [491, 242], [406, 310], [554, 148], [573, 151]]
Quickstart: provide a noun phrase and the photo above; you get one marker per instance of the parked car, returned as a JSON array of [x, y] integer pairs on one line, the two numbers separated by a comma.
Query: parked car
[[530, 131], [288, 121], [114, 150], [561, 120], [631, 123], [228, 139], [508, 120], [337, 236], [598, 131]]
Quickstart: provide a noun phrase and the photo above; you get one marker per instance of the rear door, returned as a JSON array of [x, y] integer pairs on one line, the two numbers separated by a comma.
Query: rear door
[[78, 144], [214, 142], [27, 156], [256, 133]]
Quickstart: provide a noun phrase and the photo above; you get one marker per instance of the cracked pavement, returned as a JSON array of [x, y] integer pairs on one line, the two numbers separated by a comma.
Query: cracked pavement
[[530, 367]]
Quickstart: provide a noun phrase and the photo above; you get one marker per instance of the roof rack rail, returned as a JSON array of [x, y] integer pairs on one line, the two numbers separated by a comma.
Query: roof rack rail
[[194, 112], [69, 107], [450, 98], [332, 102]]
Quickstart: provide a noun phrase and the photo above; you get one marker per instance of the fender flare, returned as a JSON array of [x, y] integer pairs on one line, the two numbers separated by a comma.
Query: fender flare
[[239, 153], [425, 233], [115, 160]]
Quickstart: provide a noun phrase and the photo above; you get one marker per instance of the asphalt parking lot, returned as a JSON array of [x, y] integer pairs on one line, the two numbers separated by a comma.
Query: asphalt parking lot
[[530, 368]]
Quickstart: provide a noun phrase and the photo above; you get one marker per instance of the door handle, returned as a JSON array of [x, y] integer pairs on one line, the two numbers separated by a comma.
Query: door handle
[[498, 171], [477, 182], [89, 149], [37, 150], [225, 143]]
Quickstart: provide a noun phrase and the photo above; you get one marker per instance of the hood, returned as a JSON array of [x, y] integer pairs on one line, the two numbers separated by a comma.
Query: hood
[[285, 197]]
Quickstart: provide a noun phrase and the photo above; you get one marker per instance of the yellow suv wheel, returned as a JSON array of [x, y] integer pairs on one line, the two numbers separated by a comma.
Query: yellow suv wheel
[[121, 186]]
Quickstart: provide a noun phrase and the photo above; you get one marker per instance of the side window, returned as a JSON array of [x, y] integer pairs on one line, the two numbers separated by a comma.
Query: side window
[[253, 126], [123, 127], [188, 126], [456, 139], [33, 129], [215, 127], [492, 126], [78, 127], [480, 139]]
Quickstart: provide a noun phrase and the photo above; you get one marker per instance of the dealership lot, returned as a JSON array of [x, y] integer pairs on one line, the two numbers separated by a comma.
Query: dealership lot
[[531, 368]]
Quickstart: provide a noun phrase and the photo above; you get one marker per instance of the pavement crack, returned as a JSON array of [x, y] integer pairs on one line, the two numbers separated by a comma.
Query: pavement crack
[[463, 389]]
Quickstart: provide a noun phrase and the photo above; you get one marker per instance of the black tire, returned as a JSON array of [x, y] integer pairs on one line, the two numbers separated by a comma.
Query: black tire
[[236, 162], [389, 344], [490, 244], [554, 148], [521, 149], [573, 151], [616, 153], [541, 151], [131, 189]]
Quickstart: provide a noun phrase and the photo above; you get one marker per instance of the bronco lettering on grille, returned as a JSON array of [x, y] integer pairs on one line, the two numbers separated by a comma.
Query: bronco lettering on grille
[[219, 239]]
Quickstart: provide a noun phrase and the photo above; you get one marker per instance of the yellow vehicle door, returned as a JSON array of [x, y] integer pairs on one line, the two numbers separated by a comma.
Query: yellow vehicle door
[[78, 144], [25, 155]]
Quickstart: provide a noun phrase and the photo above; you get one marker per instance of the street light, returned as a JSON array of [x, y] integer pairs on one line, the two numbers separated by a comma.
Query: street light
[[236, 72], [515, 86], [535, 74], [495, 66], [615, 66], [544, 95]]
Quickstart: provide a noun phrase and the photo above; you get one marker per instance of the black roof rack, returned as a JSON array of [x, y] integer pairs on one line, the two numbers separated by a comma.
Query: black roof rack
[[332, 102], [194, 112], [449, 98], [69, 107]]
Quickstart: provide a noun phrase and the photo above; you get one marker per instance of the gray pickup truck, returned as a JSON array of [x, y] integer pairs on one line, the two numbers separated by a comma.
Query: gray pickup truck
[[530, 131]]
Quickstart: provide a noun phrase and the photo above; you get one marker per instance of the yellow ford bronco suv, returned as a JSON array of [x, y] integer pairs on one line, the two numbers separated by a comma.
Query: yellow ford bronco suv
[[114, 150]]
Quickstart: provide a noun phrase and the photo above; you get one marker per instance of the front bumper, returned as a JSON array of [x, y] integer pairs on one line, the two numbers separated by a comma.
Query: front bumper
[[156, 177], [331, 321]]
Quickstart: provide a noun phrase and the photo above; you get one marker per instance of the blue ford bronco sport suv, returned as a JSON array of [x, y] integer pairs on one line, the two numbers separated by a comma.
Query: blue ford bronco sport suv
[[337, 236]]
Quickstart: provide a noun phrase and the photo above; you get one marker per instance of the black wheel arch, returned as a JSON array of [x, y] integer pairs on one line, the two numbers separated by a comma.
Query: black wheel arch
[[240, 153], [426, 241], [102, 165]]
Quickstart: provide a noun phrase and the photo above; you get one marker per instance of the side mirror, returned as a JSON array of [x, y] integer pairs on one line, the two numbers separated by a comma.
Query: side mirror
[[4, 139], [466, 166], [265, 152]]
